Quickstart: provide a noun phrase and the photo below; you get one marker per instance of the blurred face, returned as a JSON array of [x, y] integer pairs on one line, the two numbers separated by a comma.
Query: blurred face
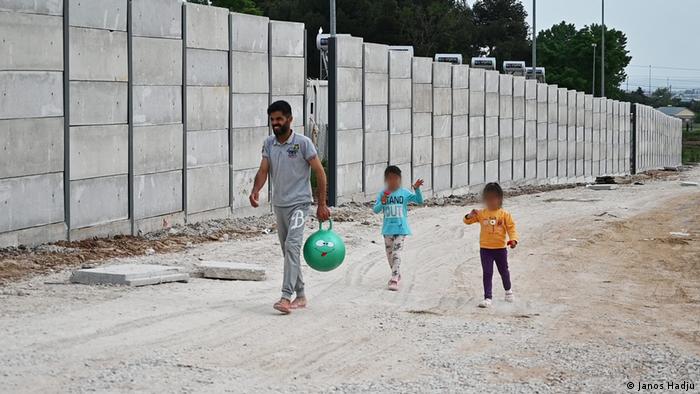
[[280, 124], [492, 201], [393, 181]]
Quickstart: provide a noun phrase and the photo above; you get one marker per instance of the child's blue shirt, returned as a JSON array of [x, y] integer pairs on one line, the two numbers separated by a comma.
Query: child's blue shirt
[[396, 210]]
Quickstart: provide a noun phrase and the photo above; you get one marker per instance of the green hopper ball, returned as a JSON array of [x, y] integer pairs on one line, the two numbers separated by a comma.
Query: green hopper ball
[[324, 250]]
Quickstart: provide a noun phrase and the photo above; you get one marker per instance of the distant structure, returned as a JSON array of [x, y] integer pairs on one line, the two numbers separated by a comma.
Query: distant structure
[[682, 113], [454, 58], [487, 63]]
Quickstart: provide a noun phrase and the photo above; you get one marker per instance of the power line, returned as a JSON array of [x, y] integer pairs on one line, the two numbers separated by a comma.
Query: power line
[[665, 67]]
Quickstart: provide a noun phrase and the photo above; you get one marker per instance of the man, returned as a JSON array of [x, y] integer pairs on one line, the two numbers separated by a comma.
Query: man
[[288, 158]]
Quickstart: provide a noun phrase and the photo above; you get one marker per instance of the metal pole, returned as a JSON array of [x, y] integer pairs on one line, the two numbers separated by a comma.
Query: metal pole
[[593, 84], [602, 52], [534, 38], [650, 80], [332, 115]]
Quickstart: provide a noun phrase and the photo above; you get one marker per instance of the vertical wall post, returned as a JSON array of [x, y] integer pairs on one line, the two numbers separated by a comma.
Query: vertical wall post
[[66, 118], [332, 122]]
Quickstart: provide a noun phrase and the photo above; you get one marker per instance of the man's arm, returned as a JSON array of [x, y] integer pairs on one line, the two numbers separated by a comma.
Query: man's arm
[[260, 179], [322, 213]]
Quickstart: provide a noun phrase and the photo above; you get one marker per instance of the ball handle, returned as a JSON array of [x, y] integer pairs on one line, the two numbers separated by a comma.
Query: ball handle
[[330, 224]]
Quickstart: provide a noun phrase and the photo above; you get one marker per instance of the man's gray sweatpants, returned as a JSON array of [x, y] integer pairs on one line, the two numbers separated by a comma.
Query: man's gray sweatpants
[[290, 228]]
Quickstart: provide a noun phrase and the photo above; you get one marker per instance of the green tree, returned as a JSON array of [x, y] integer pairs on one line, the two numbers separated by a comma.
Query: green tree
[[567, 53], [501, 29], [244, 6]]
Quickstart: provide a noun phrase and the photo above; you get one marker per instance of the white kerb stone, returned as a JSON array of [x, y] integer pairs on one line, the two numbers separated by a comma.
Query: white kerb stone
[[129, 275], [231, 270]]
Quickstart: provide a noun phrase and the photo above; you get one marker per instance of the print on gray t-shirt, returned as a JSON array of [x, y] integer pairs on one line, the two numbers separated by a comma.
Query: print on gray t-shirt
[[289, 169]]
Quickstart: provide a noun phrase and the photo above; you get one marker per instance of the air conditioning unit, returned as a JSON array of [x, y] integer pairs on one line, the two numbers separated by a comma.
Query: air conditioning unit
[[402, 48], [487, 63], [513, 67], [539, 74]]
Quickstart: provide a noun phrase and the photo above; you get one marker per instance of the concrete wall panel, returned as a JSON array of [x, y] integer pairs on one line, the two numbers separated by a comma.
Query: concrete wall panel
[[400, 64], [44, 7], [286, 39], [98, 103], [247, 146], [157, 104], [350, 53], [157, 194], [97, 201], [156, 61], [98, 55], [207, 107], [288, 75], [352, 147], [99, 151], [207, 187], [45, 33], [400, 148], [209, 147], [400, 93], [103, 14], [157, 148], [207, 27], [30, 94], [31, 146], [249, 73], [157, 18], [31, 201], [376, 89]]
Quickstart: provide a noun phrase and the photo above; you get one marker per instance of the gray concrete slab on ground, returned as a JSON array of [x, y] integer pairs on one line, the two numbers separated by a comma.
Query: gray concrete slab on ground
[[129, 275], [231, 270]]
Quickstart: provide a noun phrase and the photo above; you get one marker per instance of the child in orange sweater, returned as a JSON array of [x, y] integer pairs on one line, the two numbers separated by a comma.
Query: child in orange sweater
[[496, 223]]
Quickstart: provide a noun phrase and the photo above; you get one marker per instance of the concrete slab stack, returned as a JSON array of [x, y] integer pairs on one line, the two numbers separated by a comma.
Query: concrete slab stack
[[505, 130], [588, 138], [609, 136], [31, 123], [250, 96], [422, 109], [542, 127], [98, 139], [349, 119], [530, 130], [596, 135], [571, 136], [563, 116], [552, 132], [580, 134], [156, 107], [460, 127], [400, 139], [442, 128], [518, 129], [376, 116], [207, 98], [477, 140], [491, 124]]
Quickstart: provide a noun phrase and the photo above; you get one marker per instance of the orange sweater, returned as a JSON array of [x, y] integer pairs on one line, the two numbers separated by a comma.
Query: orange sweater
[[494, 227]]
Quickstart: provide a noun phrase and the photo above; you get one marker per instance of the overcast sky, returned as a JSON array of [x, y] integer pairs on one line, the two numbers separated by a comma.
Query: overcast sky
[[661, 33]]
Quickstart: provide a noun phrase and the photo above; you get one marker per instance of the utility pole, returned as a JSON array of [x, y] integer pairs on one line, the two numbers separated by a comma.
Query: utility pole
[[534, 38], [602, 52], [332, 115], [593, 83], [650, 80]]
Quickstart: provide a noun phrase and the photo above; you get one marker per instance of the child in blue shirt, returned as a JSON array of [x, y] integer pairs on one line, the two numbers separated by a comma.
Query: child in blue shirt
[[393, 201]]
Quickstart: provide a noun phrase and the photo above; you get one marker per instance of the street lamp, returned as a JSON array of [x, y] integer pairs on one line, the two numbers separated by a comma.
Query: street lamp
[[594, 45], [602, 50]]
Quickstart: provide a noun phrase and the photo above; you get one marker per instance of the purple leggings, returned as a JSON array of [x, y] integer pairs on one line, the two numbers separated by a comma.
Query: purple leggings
[[500, 256]]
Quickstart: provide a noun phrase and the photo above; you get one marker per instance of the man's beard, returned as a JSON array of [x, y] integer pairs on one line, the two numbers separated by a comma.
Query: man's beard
[[280, 131]]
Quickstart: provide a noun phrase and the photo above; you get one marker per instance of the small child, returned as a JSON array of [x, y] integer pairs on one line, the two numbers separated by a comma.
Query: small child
[[394, 202], [495, 222]]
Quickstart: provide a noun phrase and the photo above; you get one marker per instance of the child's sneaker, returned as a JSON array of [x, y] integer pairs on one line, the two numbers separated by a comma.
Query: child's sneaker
[[394, 283], [486, 303], [509, 296]]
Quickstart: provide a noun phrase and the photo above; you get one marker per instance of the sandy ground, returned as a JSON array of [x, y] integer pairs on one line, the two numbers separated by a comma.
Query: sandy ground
[[605, 295]]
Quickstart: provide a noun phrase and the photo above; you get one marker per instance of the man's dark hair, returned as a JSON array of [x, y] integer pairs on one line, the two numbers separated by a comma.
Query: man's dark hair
[[281, 106], [392, 170], [493, 188]]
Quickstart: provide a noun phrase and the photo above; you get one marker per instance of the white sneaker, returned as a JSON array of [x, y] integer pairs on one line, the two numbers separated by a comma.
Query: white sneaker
[[509, 296], [486, 303]]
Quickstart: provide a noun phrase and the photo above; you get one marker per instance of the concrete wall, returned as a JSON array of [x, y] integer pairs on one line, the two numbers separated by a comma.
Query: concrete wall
[[400, 138], [505, 129], [491, 124], [596, 137], [442, 128], [552, 132], [349, 119], [477, 140], [31, 124], [530, 129], [98, 138], [156, 108], [206, 102], [588, 138], [422, 122], [375, 109], [250, 96], [542, 129], [653, 129], [580, 135], [518, 129], [460, 128]]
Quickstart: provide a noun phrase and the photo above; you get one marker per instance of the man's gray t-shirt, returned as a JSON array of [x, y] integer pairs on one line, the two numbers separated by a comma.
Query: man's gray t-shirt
[[290, 170]]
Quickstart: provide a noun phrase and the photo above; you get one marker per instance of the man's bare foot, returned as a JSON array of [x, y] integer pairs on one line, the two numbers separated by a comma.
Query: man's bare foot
[[299, 303], [283, 305]]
